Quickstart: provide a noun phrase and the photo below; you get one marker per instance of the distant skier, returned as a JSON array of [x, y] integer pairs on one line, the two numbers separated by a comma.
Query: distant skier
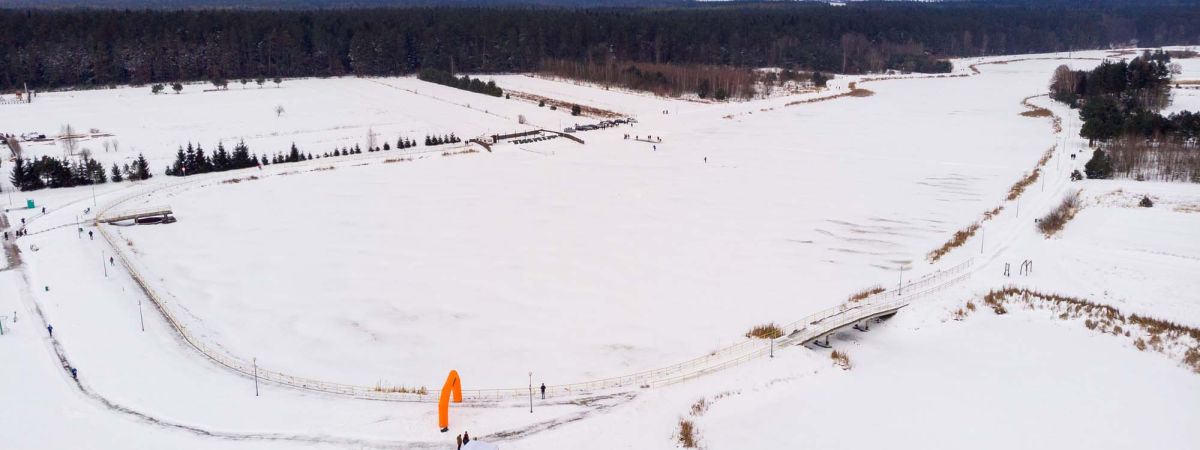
[[543, 391], [110, 261], [75, 374], [90, 236], [43, 210], [50, 329], [466, 438]]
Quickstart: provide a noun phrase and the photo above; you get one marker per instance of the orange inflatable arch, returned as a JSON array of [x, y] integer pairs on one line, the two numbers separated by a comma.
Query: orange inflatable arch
[[453, 387]]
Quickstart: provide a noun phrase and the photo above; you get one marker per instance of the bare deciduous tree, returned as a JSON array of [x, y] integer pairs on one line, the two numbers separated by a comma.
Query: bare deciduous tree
[[14, 146], [278, 110], [68, 140]]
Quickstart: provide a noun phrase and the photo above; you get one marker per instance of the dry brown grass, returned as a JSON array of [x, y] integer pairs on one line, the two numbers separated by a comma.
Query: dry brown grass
[[768, 331], [854, 92], [1165, 337], [239, 180], [1019, 187], [962, 313], [1055, 220], [1038, 112], [841, 359], [700, 407], [319, 169], [688, 435], [863, 294], [396, 160], [460, 152], [960, 237], [584, 110]]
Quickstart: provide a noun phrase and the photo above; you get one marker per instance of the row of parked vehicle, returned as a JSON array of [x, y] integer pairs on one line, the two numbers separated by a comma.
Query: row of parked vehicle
[[599, 125], [538, 138]]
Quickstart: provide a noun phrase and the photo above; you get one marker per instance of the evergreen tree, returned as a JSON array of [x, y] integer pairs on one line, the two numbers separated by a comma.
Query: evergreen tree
[[116, 174], [203, 164], [18, 176], [220, 159], [1099, 167], [177, 169], [142, 168]]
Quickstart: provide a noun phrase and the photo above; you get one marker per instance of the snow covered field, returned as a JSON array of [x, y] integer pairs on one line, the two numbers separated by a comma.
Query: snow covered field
[[414, 266], [586, 261]]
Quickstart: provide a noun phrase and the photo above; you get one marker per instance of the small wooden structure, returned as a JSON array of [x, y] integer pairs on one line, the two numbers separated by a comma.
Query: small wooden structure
[[163, 213]]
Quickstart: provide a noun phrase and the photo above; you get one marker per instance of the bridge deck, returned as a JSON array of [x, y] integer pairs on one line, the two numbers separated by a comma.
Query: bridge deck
[[136, 214]]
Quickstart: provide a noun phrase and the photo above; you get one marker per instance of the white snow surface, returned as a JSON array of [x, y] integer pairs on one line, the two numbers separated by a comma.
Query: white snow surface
[[583, 261]]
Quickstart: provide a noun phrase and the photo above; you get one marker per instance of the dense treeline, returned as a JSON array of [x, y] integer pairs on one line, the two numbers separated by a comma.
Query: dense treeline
[[703, 81], [718, 82], [1123, 98], [1119, 104], [1147, 160], [1140, 83], [193, 160], [55, 48], [465, 82], [51, 172]]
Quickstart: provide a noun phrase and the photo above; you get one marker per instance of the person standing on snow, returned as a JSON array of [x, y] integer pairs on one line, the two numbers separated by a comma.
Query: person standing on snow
[[543, 391], [458, 440], [50, 329]]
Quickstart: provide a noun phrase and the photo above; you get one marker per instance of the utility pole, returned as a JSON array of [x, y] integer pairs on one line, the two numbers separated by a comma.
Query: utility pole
[[900, 289], [772, 347], [531, 392], [105, 266], [141, 318], [256, 376], [982, 234]]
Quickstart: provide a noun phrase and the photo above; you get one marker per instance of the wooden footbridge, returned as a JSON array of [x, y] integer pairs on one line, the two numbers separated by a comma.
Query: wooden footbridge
[[135, 214]]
